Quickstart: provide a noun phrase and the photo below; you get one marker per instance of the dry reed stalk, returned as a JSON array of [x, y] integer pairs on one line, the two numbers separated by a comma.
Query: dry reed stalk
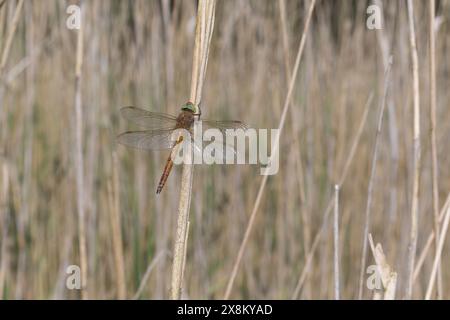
[[3, 220], [336, 243], [295, 135], [203, 34], [434, 161], [115, 221], [275, 149], [5, 54], [438, 255], [10, 36], [2, 27], [342, 178], [147, 273], [385, 48], [430, 239], [168, 50], [372, 177], [417, 153], [78, 152], [25, 62], [287, 64]]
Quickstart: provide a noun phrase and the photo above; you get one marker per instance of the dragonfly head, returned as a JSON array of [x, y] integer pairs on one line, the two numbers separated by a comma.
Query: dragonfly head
[[188, 106]]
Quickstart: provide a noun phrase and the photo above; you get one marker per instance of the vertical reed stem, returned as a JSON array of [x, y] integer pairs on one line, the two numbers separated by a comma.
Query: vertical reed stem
[[417, 152], [114, 209], [373, 171], [79, 172], [203, 33], [434, 161], [4, 224], [336, 243]]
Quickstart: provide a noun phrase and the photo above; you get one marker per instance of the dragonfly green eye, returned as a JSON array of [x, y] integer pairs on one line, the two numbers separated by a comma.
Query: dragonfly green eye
[[188, 106]]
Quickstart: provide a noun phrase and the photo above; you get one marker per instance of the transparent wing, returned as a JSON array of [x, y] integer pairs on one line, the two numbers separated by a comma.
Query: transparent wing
[[147, 119], [148, 139], [222, 150], [223, 125], [219, 150], [225, 152]]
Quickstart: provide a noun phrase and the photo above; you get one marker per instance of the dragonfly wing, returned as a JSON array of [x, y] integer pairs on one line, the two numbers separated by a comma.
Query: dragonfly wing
[[148, 139], [147, 119], [223, 125], [223, 152]]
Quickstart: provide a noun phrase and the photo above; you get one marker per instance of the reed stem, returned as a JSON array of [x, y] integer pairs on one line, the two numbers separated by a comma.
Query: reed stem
[[417, 153], [434, 161], [203, 33], [371, 180], [79, 170]]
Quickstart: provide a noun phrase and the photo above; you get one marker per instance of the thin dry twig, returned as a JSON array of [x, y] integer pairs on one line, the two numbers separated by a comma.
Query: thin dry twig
[[147, 273], [371, 179], [438, 255], [430, 239], [275, 149], [203, 34]]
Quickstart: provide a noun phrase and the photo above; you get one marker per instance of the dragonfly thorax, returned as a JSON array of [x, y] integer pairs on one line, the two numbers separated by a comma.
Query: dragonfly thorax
[[185, 119]]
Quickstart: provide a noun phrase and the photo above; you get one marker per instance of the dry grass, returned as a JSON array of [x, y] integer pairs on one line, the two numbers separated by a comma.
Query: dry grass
[[140, 53]]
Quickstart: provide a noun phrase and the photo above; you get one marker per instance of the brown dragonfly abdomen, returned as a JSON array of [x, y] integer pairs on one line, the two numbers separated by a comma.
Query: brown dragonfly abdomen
[[168, 167]]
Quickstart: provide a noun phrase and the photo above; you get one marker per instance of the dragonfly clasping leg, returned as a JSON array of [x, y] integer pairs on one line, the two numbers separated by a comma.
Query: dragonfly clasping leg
[[199, 113]]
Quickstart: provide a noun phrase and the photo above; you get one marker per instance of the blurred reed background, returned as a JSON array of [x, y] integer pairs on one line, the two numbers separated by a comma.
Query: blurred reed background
[[140, 53]]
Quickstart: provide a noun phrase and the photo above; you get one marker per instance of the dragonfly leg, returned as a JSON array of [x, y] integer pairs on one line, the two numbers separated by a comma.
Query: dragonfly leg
[[199, 113]]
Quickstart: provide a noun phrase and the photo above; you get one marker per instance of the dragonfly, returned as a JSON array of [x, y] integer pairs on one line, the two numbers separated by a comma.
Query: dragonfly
[[159, 130]]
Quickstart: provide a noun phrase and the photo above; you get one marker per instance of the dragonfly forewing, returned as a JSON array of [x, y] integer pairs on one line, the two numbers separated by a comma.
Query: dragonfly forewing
[[222, 150], [147, 119], [223, 125]]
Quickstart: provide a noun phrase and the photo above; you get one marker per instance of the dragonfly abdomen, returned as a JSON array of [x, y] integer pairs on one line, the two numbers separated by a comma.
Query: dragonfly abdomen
[[165, 174], [168, 167]]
